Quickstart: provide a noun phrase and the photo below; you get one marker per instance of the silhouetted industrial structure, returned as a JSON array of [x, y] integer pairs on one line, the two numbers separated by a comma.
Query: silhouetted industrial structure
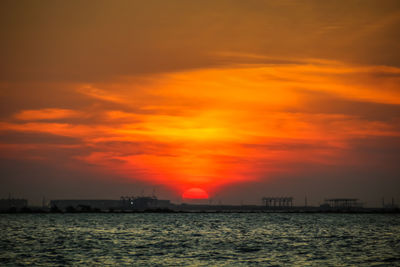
[[84, 204], [391, 205], [278, 202], [125, 203], [152, 204], [13, 203], [342, 203], [141, 203]]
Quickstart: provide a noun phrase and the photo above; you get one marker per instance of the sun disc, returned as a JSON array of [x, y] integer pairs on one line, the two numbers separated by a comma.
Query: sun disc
[[195, 193]]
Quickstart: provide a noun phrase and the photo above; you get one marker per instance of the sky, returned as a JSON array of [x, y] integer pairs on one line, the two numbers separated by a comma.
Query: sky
[[235, 99]]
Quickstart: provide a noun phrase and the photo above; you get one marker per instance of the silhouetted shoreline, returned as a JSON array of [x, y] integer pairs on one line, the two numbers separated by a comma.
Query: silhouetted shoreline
[[33, 210]]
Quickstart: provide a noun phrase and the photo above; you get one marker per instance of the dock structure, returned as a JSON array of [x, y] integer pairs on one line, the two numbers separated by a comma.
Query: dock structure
[[343, 203], [278, 202]]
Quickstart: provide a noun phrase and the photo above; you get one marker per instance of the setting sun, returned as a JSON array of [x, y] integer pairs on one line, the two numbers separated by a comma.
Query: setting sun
[[201, 132], [190, 96], [195, 193]]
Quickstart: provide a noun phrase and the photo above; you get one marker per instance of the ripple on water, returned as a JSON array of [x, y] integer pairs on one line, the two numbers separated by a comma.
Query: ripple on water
[[199, 239]]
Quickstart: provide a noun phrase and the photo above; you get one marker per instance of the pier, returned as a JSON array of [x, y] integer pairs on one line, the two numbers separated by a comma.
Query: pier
[[278, 202]]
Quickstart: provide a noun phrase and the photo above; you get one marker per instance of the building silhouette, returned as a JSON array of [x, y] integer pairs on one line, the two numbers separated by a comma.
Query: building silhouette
[[125, 203], [13, 203]]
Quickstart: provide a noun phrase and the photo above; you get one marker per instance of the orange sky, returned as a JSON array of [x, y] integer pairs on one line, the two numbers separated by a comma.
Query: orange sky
[[207, 95]]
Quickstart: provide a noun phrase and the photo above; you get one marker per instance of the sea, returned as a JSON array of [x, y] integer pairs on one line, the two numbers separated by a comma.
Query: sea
[[200, 239]]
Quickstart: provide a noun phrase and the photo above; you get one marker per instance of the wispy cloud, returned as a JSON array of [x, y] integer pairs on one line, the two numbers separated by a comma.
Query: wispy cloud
[[100, 94], [215, 126], [47, 114]]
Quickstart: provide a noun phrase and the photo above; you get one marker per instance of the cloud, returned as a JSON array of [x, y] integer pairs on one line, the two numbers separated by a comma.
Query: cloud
[[100, 94], [210, 93], [46, 114], [106, 41], [213, 127]]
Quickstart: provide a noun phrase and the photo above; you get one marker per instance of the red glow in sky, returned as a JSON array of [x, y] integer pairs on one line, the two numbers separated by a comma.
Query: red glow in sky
[[204, 95], [195, 193]]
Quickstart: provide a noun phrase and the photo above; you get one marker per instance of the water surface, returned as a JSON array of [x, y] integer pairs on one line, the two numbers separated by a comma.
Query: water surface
[[200, 239]]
